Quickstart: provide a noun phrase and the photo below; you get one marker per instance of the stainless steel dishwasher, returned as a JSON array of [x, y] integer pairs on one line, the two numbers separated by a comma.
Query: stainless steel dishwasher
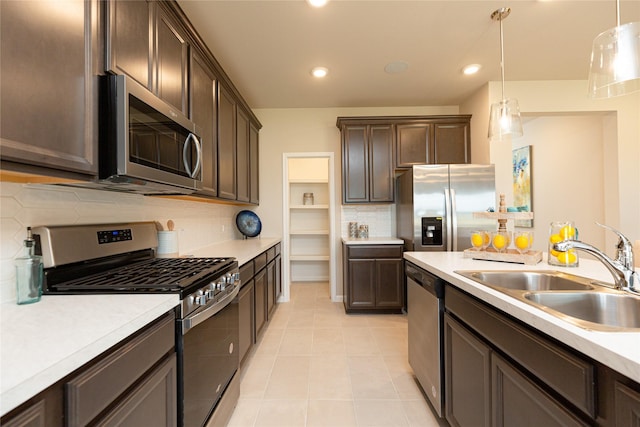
[[425, 312]]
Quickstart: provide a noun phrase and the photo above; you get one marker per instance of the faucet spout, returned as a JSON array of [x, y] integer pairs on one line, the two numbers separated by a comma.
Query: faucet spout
[[616, 268]]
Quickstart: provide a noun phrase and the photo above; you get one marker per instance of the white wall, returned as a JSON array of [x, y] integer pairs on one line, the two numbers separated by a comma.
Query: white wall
[[567, 172]]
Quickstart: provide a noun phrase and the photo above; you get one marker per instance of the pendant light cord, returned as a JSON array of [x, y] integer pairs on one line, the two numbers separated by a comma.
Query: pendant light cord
[[502, 56]]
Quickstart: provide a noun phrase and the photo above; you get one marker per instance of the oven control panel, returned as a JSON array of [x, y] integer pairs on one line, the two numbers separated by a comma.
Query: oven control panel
[[216, 291], [111, 236]]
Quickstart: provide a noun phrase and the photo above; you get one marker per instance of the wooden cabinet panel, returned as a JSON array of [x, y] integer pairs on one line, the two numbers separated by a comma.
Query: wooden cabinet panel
[[95, 388], [381, 164], [226, 144], [412, 144], [362, 291], [49, 84], [389, 288], [33, 416], [467, 377], [517, 401], [153, 402], [627, 406], [271, 289], [260, 292], [451, 143], [355, 163], [246, 326], [172, 52], [243, 166], [203, 114], [129, 40], [254, 161]]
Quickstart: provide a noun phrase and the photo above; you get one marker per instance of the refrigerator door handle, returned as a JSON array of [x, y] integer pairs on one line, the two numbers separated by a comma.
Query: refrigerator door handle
[[454, 221], [448, 218]]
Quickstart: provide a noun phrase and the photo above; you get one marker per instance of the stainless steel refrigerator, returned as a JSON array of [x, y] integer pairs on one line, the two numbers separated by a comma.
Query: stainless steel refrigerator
[[435, 205]]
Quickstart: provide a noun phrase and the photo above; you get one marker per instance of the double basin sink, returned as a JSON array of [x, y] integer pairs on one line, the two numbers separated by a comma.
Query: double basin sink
[[578, 300]]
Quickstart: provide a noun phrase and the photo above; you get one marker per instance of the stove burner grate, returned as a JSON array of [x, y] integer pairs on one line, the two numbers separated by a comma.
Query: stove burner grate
[[157, 274]]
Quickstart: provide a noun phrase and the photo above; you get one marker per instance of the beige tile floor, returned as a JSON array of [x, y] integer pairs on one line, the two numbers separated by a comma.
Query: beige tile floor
[[317, 366]]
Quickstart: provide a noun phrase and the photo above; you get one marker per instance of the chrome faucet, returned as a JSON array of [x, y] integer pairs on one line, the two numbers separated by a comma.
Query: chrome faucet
[[624, 274]]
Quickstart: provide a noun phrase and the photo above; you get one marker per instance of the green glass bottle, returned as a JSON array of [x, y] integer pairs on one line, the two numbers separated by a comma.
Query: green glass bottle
[[29, 273]]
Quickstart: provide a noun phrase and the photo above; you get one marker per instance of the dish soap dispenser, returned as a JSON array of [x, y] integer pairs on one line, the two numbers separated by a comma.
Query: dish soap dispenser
[[29, 273]]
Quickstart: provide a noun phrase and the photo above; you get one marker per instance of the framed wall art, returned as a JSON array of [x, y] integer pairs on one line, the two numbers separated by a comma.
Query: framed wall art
[[522, 191]]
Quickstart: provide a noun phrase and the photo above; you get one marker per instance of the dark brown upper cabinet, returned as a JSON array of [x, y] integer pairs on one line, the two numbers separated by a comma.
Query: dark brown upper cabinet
[[226, 144], [146, 41], [203, 114], [254, 176], [436, 140], [49, 84], [367, 163], [243, 166]]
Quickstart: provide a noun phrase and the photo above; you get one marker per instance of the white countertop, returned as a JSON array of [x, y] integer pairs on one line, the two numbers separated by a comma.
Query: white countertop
[[243, 250], [618, 350], [373, 241], [42, 343]]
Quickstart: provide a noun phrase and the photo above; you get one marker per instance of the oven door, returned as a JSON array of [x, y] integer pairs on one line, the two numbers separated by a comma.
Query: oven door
[[207, 362]]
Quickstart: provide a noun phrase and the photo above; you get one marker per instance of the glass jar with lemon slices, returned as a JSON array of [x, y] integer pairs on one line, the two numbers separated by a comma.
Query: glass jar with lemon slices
[[522, 240], [500, 240], [480, 239], [559, 231]]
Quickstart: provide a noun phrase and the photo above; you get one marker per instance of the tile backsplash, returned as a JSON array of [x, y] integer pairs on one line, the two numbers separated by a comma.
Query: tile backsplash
[[381, 219], [21, 205]]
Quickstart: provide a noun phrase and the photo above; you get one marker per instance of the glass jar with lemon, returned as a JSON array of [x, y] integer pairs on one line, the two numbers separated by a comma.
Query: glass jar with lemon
[[500, 240], [480, 239], [559, 231], [522, 240]]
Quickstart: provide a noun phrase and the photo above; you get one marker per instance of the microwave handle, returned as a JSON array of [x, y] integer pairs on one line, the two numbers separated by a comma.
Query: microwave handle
[[185, 160]]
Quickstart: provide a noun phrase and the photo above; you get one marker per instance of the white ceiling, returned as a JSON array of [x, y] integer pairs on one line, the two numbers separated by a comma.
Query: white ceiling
[[268, 47]]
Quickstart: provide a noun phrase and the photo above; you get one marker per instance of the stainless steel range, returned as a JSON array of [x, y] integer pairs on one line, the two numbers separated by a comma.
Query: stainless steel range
[[120, 258]]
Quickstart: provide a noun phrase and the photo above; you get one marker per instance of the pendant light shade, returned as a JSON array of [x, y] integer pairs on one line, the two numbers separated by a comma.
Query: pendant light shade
[[615, 62], [504, 118]]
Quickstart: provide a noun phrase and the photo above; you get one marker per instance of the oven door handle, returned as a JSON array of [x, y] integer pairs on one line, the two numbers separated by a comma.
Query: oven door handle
[[194, 320]]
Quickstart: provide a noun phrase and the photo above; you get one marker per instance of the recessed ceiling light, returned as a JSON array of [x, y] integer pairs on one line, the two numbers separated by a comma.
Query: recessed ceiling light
[[396, 67], [319, 72], [317, 3], [471, 69]]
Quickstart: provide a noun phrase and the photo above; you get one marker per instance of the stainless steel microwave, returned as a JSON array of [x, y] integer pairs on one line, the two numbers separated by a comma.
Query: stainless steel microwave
[[146, 146]]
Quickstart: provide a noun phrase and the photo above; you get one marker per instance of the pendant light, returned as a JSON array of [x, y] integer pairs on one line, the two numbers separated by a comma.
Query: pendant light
[[504, 118], [615, 60]]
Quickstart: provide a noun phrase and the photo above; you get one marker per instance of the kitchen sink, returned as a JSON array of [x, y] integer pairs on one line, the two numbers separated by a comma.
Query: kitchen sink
[[613, 309], [581, 301], [529, 280]]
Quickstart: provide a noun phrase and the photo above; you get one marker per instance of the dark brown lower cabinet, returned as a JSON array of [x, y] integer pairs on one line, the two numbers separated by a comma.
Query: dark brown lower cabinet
[[500, 372], [517, 401], [467, 377], [373, 278], [132, 384], [246, 324], [260, 284]]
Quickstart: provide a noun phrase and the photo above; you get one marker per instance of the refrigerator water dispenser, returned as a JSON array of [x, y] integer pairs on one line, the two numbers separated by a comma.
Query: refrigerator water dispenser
[[432, 231]]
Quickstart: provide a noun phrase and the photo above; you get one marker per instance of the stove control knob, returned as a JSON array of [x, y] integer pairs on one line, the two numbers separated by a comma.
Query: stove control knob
[[222, 284], [201, 298], [236, 276], [229, 278]]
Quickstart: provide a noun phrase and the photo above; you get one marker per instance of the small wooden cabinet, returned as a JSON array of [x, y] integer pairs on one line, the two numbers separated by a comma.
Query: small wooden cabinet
[[243, 167], [367, 163], [226, 144], [439, 140], [373, 278]]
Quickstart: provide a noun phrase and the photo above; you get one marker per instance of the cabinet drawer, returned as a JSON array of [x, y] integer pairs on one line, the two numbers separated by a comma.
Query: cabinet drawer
[[246, 272], [565, 372], [378, 251], [260, 261], [271, 254], [93, 390]]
